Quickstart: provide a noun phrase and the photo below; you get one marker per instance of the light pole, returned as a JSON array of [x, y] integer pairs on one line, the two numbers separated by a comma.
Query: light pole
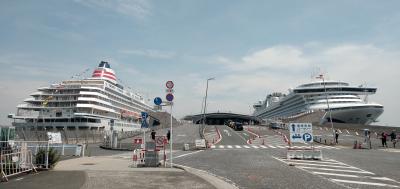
[[205, 102], [327, 102]]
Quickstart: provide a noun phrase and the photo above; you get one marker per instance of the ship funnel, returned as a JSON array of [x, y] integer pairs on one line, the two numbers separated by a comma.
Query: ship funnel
[[104, 71]]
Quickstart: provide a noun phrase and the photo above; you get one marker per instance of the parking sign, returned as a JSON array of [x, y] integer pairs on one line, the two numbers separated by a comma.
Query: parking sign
[[301, 132]]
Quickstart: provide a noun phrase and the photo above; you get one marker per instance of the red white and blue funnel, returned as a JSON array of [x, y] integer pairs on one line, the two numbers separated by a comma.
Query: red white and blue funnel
[[104, 71]]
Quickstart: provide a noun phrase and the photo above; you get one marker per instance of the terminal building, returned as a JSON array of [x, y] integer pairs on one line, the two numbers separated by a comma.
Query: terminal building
[[220, 118]]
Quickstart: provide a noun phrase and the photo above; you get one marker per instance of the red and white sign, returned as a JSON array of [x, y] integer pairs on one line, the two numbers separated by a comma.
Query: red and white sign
[[169, 84], [160, 141], [137, 141]]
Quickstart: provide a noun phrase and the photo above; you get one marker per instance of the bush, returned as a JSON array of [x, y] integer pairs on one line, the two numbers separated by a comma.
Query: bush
[[40, 157]]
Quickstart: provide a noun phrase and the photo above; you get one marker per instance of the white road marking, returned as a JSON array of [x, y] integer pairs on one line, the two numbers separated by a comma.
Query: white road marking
[[227, 132], [256, 147], [342, 170], [246, 146], [212, 146], [322, 165], [335, 174], [347, 131], [229, 146], [357, 133], [237, 146], [271, 146], [186, 154], [221, 146], [321, 162], [365, 183], [262, 146]]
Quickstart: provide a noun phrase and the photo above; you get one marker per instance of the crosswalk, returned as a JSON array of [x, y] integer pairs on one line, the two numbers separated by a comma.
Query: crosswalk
[[342, 173], [266, 147]]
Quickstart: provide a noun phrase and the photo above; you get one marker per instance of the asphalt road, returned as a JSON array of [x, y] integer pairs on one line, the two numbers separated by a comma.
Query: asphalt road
[[265, 166]]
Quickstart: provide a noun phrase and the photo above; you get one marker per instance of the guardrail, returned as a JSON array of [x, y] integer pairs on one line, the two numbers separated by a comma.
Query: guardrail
[[16, 163]]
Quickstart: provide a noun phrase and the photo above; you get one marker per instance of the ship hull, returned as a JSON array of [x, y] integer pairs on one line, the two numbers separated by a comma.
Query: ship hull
[[356, 115]]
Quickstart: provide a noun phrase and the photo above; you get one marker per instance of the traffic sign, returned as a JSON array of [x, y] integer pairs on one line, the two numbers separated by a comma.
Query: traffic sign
[[300, 132], [157, 101], [169, 84], [160, 141], [169, 97]]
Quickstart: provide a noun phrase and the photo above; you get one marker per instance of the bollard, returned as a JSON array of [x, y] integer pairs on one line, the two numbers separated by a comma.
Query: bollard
[[325, 141], [320, 140]]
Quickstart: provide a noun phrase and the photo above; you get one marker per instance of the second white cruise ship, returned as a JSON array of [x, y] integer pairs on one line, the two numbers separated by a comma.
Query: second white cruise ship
[[95, 103], [344, 101]]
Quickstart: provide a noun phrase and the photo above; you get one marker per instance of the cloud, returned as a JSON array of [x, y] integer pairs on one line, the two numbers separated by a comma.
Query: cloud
[[278, 68], [150, 53], [138, 9], [276, 58]]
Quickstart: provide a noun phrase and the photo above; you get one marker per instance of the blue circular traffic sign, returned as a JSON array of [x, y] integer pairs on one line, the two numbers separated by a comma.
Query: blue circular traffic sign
[[157, 101], [307, 137], [170, 97]]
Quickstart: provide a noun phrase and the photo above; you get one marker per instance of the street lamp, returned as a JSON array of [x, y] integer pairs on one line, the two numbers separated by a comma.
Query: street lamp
[[205, 101], [327, 102]]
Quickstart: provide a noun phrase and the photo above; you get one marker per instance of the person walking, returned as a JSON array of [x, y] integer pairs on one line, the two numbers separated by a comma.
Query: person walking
[[153, 134], [384, 137], [168, 135], [336, 136], [393, 138]]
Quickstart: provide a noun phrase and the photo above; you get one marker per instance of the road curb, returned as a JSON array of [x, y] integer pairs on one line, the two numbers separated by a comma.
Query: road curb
[[216, 181]]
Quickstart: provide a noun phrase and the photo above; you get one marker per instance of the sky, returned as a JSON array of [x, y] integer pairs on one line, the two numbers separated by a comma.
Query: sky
[[252, 48]]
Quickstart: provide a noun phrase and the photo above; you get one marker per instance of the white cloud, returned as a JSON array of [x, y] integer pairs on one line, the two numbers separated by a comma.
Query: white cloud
[[276, 69], [136, 8], [273, 58], [150, 53]]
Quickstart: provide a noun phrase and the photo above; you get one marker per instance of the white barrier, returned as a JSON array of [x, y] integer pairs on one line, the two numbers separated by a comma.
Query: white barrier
[[304, 153], [16, 163]]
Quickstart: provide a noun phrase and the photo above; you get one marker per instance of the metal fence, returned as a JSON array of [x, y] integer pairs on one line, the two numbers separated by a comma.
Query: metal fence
[[68, 136], [15, 163]]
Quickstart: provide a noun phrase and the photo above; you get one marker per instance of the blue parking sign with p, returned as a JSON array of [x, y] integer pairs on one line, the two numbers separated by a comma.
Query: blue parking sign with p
[[307, 137]]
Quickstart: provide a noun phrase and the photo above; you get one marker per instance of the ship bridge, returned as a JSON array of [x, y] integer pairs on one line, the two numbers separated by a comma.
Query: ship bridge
[[220, 118]]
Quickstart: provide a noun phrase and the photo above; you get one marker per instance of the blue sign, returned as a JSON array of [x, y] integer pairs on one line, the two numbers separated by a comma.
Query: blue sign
[[144, 120], [170, 97], [307, 137], [157, 101]]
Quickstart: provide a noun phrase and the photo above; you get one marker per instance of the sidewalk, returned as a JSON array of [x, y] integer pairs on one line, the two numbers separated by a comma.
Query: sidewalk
[[113, 172]]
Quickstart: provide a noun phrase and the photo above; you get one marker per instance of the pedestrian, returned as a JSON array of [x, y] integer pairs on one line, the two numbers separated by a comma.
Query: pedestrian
[[153, 134], [384, 137], [168, 135], [393, 138], [336, 136]]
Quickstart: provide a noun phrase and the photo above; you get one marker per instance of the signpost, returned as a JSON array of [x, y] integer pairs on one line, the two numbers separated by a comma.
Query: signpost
[[301, 133], [170, 98]]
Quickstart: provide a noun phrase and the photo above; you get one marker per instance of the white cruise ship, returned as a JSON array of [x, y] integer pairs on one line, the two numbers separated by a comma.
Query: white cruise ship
[[348, 104], [96, 103]]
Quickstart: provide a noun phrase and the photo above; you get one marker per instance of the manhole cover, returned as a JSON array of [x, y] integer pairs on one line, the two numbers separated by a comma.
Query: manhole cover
[[87, 164]]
